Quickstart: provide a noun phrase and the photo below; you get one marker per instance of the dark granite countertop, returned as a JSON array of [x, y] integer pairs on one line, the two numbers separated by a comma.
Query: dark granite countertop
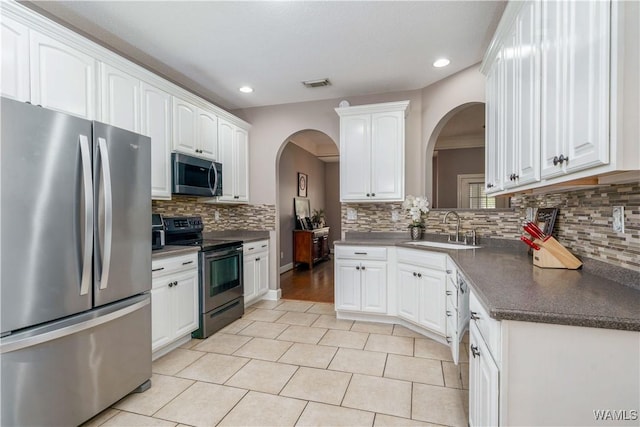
[[171, 250], [512, 288]]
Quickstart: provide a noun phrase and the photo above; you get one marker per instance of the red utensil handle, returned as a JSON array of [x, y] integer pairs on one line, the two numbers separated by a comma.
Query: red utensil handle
[[534, 233], [538, 230], [530, 243]]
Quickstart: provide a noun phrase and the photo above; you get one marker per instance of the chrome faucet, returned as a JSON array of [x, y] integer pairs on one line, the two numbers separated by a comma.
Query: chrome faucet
[[444, 221]]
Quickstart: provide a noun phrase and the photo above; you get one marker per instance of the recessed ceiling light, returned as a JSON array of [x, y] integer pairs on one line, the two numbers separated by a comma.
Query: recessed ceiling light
[[442, 62], [246, 89]]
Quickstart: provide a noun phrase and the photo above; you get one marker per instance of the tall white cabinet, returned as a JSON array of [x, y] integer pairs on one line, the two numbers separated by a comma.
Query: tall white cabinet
[[372, 140], [233, 147], [561, 94]]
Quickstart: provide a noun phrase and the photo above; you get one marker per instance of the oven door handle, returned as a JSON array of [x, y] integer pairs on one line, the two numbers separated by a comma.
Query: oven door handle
[[221, 254]]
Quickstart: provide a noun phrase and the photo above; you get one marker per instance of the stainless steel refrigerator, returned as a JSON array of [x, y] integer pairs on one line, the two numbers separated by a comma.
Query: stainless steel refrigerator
[[75, 265]]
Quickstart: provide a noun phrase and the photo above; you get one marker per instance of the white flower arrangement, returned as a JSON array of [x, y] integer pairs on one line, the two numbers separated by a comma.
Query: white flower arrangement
[[416, 206]]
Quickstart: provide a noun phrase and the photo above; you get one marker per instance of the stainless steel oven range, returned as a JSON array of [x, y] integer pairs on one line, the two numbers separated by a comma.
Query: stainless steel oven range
[[220, 271]]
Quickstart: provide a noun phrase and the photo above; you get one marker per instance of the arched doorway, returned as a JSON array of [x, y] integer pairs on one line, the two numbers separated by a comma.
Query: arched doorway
[[315, 154], [457, 157]]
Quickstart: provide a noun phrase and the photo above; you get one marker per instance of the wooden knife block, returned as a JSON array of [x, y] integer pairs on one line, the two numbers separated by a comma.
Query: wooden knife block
[[553, 255]]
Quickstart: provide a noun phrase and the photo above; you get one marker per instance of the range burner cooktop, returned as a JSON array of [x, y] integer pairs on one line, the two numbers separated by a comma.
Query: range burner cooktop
[[187, 231]]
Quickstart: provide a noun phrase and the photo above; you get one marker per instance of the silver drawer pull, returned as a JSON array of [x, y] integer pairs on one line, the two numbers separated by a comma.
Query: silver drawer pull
[[474, 351], [264, 246], [157, 269], [250, 249], [187, 263], [360, 253], [449, 293], [474, 316], [449, 271]]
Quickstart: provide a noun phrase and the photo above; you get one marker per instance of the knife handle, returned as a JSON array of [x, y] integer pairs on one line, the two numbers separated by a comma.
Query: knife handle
[[534, 233], [543, 236], [530, 243]]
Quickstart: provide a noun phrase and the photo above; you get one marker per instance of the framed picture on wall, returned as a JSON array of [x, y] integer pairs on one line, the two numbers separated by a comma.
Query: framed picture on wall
[[303, 183]]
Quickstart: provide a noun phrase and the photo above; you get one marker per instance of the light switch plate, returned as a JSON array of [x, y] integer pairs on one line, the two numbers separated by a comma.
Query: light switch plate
[[618, 219], [395, 215], [216, 215], [352, 214]]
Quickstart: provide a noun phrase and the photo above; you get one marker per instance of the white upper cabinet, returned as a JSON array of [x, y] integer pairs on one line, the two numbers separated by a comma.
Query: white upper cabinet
[[575, 81], [233, 152], [156, 124], [14, 77], [208, 134], [62, 78], [119, 98], [185, 126], [195, 130], [560, 94], [372, 139]]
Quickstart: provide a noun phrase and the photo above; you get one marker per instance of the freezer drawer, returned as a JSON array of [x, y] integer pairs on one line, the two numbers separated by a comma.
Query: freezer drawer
[[66, 372]]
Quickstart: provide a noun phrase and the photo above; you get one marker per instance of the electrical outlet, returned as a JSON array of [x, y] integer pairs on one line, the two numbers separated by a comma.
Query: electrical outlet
[[618, 219], [216, 216], [530, 214], [281, 255], [352, 214], [395, 215]]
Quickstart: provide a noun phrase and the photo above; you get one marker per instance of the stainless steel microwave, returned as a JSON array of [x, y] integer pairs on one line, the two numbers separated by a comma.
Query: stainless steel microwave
[[196, 177]]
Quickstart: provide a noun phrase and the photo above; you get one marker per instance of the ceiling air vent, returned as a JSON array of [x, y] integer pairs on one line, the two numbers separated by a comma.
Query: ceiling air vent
[[317, 83]]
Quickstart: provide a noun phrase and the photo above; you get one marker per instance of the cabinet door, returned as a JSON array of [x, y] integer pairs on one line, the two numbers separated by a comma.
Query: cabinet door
[[407, 288], [527, 168], [184, 296], [262, 269], [184, 126], [162, 331], [156, 124], [483, 383], [553, 84], [387, 156], [207, 135], [432, 297], [62, 78], [588, 81], [14, 77], [225, 156], [493, 153], [511, 105], [374, 287], [347, 285], [241, 165], [120, 98], [355, 157], [249, 277]]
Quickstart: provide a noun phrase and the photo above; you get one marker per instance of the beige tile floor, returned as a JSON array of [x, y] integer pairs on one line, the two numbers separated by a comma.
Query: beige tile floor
[[289, 363]]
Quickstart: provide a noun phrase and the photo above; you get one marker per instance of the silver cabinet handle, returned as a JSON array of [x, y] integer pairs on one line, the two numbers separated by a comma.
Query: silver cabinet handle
[[362, 267], [87, 185], [187, 263], [415, 274], [257, 259], [448, 313], [474, 351], [157, 269], [264, 246], [449, 293], [419, 274], [357, 267], [108, 213], [474, 316], [359, 253]]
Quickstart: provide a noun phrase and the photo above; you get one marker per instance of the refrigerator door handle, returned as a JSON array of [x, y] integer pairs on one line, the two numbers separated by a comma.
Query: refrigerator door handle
[[108, 213], [51, 335], [87, 232]]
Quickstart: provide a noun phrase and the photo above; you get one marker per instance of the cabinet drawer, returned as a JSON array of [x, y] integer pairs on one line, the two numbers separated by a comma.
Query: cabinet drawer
[[169, 265], [421, 258], [253, 247], [361, 252], [489, 328]]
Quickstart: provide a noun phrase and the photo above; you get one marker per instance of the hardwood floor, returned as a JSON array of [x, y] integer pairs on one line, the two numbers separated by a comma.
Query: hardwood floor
[[302, 283]]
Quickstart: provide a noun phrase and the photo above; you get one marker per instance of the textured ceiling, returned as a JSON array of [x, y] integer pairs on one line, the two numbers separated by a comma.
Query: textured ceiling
[[363, 47]]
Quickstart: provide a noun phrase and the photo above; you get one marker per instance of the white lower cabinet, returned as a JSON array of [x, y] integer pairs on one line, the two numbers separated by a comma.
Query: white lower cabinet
[[483, 382], [361, 279], [256, 270], [174, 301], [421, 297]]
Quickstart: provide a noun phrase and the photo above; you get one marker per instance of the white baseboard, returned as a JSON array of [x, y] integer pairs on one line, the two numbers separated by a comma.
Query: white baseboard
[[286, 267], [273, 295]]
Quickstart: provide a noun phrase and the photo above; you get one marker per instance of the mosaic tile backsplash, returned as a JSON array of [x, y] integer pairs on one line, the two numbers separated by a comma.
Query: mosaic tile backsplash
[[584, 223], [230, 217]]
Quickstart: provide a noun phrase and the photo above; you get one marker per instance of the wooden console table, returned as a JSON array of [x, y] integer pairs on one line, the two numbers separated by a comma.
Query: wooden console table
[[310, 246]]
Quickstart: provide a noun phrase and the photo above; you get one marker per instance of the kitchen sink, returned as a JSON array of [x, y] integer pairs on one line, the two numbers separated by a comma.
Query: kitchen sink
[[443, 245]]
